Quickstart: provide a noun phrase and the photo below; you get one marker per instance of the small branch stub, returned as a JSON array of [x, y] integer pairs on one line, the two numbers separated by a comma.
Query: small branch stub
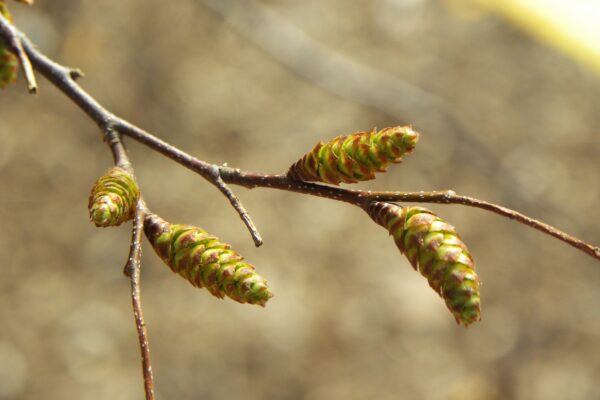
[[356, 157], [113, 198], [201, 259], [434, 248]]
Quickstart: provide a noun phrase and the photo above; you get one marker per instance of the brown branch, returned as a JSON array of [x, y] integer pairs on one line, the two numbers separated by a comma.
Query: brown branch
[[133, 265], [64, 79], [235, 202], [61, 77], [363, 84], [450, 197], [208, 171], [13, 40], [132, 270], [363, 198]]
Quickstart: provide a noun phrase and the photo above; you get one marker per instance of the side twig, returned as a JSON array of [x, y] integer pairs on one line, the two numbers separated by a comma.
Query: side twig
[[132, 270], [133, 266], [61, 77], [363, 198], [12, 39], [64, 79]]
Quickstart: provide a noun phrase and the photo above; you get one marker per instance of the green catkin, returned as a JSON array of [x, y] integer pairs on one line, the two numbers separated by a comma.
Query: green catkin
[[8, 61], [114, 198], [355, 157], [204, 261], [434, 248]]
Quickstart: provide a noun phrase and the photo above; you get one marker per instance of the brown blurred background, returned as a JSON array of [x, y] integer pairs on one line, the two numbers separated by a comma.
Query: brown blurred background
[[256, 84]]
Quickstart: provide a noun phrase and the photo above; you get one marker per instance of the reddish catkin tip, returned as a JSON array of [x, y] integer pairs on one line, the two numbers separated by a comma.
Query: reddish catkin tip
[[434, 248], [202, 260], [356, 157], [113, 198]]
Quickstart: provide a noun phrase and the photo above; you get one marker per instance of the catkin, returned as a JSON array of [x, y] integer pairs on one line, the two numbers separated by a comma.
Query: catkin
[[113, 198], [355, 157], [204, 261], [434, 248]]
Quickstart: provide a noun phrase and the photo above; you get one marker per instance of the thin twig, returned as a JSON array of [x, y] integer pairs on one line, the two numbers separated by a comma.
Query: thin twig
[[61, 77], [362, 198], [64, 79], [117, 147], [132, 270], [133, 265], [450, 197], [235, 202], [12, 39], [208, 171], [363, 84]]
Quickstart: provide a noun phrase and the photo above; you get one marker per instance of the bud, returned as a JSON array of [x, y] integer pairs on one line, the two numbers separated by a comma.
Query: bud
[[8, 61], [201, 259], [114, 198], [355, 157], [434, 248]]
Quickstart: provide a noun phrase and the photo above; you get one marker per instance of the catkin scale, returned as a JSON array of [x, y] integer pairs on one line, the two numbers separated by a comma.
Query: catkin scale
[[433, 247], [8, 61], [355, 157], [113, 198], [204, 261]]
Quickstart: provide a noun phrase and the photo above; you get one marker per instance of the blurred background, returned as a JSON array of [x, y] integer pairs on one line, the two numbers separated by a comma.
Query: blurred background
[[507, 113]]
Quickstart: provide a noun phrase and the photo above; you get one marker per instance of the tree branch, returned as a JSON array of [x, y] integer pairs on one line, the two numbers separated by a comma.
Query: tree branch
[[363, 84], [132, 270], [363, 198], [62, 78], [133, 265], [13, 40]]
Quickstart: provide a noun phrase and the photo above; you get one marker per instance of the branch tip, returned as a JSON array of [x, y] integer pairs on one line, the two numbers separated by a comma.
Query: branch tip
[[239, 207], [12, 37]]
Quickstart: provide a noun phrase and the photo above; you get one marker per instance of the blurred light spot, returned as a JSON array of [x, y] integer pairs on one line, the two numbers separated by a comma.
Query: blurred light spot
[[91, 332], [13, 372], [39, 27], [555, 380], [7, 144], [400, 18], [472, 387], [495, 336], [535, 172]]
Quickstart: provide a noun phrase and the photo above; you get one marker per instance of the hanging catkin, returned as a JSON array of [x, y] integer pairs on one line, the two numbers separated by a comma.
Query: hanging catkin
[[355, 157], [434, 248], [113, 198], [205, 262]]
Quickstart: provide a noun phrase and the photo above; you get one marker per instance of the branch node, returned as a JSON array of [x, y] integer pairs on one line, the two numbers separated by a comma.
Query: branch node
[[76, 73], [111, 136], [237, 204]]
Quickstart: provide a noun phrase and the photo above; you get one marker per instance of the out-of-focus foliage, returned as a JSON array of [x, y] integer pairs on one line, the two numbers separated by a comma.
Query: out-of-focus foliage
[[351, 319]]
